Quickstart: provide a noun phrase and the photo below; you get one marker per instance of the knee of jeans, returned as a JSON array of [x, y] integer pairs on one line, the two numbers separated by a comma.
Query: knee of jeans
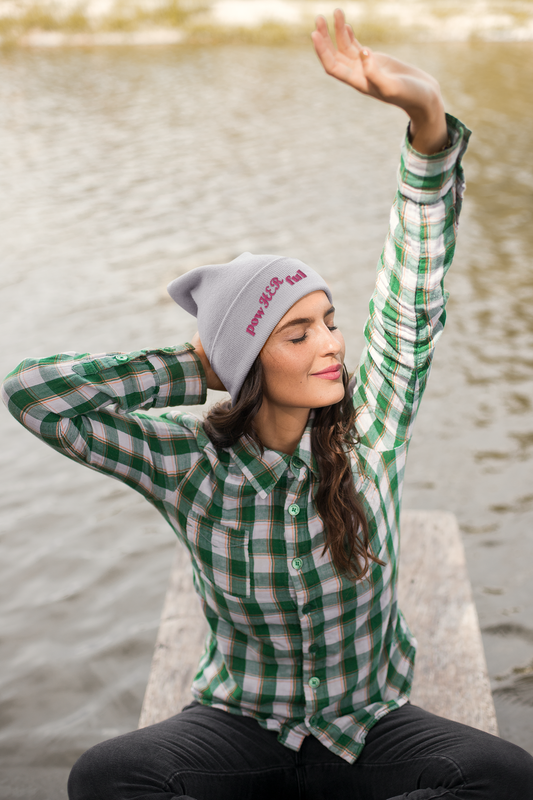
[[103, 771], [519, 769], [505, 769], [83, 778]]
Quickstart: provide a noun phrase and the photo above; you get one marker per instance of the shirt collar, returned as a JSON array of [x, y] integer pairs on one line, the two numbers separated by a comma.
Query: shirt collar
[[264, 471]]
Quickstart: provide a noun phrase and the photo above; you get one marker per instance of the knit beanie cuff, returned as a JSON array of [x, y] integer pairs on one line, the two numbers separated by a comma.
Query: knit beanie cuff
[[239, 304]]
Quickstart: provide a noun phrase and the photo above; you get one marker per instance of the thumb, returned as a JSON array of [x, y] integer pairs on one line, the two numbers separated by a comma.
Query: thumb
[[381, 84]]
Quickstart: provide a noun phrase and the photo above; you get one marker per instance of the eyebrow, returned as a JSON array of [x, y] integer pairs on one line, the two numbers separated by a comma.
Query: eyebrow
[[304, 320]]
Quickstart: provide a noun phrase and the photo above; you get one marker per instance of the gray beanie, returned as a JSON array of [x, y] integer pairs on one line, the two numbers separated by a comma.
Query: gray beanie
[[239, 304]]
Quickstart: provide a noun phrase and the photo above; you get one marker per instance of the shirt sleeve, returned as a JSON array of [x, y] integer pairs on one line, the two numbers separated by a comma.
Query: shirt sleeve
[[407, 308], [84, 406]]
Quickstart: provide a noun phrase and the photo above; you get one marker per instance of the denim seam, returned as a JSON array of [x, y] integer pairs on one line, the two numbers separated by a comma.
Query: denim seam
[[416, 758], [222, 773], [450, 760]]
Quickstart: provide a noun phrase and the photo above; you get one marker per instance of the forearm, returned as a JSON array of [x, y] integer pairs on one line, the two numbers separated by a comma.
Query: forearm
[[428, 131], [407, 309], [66, 386]]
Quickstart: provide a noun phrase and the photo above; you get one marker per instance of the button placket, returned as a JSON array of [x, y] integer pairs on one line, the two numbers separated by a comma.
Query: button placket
[[298, 533]]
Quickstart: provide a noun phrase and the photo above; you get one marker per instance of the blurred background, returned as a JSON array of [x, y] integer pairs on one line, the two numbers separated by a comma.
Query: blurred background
[[142, 139]]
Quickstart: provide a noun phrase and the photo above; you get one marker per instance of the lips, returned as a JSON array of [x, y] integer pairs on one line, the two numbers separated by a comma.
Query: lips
[[332, 372]]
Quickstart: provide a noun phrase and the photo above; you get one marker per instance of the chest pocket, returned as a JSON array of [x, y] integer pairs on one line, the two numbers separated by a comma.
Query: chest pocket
[[221, 554]]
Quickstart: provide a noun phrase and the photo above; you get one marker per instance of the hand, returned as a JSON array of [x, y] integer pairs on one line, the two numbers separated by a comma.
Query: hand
[[387, 79], [213, 381]]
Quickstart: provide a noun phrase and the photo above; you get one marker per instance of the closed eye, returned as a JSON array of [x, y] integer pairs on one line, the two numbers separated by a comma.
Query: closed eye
[[304, 337], [301, 339]]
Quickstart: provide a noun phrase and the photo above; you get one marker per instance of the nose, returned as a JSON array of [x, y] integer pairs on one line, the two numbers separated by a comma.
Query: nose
[[331, 344]]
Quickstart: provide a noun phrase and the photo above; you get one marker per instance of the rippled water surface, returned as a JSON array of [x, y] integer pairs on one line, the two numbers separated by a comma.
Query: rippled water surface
[[122, 169]]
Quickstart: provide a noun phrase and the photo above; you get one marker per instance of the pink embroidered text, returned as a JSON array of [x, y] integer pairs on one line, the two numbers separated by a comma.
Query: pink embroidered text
[[269, 293]]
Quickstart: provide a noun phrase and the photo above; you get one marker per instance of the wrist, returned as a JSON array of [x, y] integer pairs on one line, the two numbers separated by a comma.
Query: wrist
[[428, 131]]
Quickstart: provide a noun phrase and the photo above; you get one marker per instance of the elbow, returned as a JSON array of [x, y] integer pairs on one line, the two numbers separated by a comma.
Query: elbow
[[11, 389], [18, 393]]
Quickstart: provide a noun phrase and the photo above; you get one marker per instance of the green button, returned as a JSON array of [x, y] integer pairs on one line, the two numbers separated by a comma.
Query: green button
[[294, 510], [122, 357], [314, 648], [297, 563], [313, 720], [314, 682], [309, 607], [298, 463], [169, 349]]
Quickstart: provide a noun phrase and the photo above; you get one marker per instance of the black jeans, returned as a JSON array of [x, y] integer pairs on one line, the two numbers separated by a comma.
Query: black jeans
[[207, 754]]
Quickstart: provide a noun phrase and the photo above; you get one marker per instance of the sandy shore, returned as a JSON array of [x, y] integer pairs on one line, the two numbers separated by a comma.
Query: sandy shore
[[52, 23]]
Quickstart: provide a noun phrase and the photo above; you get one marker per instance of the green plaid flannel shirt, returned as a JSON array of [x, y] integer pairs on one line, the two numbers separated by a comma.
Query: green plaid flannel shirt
[[292, 642]]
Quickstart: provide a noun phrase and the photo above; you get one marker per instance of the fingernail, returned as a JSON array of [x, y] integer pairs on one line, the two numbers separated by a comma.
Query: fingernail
[[364, 53]]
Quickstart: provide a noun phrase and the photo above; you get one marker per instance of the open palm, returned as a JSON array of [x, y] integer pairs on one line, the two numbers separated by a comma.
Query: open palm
[[383, 77]]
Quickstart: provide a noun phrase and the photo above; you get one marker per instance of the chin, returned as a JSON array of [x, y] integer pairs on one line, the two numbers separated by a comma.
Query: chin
[[329, 399]]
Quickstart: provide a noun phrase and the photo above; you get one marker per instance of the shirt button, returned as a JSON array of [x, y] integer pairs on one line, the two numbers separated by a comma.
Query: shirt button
[[314, 648], [294, 510], [122, 357], [298, 463], [297, 563], [308, 607], [169, 349], [314, 682], [313, 720]]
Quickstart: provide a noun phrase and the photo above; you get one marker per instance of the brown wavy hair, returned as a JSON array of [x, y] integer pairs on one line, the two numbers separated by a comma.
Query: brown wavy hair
[[332, 437]]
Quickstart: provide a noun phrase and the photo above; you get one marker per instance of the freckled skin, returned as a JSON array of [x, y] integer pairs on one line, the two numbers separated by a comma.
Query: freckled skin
[[289, 364], [290, 359]]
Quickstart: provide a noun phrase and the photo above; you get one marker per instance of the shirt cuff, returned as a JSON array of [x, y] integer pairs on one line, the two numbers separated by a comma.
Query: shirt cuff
[[426, 179], [180, 376]]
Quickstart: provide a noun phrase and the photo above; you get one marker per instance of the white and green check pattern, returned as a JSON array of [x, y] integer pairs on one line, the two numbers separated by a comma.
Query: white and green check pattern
[[292, 642]]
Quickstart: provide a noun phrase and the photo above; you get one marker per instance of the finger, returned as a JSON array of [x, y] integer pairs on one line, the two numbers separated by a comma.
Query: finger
[[353, 40], [377, 81], [195, 341], [324, 47], [339, 18], [324, 52], [322, 28], [341, 34], [367, 60], [346, 41]]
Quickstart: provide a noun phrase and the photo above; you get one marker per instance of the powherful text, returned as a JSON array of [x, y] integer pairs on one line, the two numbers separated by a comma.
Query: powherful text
[[268, 294]]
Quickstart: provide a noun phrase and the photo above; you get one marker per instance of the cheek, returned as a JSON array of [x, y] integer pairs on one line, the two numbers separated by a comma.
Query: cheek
[[340, 339], [282, 369]]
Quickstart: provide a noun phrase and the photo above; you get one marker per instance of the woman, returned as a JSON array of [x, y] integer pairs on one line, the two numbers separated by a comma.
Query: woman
[[288, 500]]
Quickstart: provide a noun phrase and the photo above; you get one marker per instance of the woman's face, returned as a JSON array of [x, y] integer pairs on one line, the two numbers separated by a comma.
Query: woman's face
[[303, 356]]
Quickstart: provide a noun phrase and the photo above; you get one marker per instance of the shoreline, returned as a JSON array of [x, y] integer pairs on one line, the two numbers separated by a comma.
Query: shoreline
[[96, 23]]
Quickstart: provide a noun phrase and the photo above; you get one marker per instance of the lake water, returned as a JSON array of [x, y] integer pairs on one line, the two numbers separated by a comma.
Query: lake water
[[123, 168]]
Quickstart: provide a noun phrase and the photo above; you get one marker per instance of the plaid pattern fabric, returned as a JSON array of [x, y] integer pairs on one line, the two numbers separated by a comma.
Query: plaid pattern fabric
[[292, 642]]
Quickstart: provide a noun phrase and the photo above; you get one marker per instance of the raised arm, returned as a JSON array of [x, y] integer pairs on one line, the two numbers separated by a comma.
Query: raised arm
[[385, 78], [407, 308]]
